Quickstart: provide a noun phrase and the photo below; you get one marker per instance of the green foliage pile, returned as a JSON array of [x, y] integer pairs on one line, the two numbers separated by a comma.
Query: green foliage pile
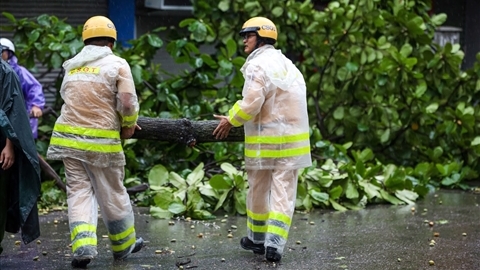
[[392, 114]]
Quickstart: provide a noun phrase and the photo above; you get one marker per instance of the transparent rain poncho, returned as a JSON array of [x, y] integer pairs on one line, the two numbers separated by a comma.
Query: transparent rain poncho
[[99, 99], [274, 112]]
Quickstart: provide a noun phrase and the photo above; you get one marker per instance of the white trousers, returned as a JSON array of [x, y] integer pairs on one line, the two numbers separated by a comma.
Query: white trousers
[[87, 188], [270, 206]]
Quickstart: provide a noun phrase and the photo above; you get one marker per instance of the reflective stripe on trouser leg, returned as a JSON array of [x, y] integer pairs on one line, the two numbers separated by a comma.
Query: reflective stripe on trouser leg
[[82, 209], [282, 205], [257, 204], [115, 206], [84, 239]]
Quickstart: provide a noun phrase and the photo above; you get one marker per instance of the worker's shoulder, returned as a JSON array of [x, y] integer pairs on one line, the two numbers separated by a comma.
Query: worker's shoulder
[[114, 58]]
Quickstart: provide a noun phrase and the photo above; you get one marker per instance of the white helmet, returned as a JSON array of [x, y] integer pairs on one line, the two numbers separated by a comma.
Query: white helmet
[[7, 43]]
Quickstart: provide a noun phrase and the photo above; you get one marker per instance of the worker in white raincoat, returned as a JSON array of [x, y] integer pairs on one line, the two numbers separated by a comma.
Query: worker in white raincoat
[[274, 114], [100, 108]]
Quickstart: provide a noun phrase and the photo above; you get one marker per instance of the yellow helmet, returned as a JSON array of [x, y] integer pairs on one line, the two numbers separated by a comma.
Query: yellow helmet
[[99, 26], [260, 25]]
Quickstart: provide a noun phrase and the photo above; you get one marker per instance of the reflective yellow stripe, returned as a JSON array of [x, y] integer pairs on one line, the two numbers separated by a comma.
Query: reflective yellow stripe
[[280, 217], [268, 153], [278, 139], [88, 241], [122, 235], [257, 228], [123, 246], [103, 133], [87, 146], [234, 122], [130, 120], [277, 230], [82, 228], [236, 111], [261, 217]]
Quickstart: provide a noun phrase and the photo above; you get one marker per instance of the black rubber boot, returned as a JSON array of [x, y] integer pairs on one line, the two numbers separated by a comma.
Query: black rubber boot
[[249, 245], [138, 245], [273, 255], [80, 263]]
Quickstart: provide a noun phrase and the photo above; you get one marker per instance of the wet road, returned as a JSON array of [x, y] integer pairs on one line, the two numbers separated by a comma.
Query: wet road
[[377, 238]]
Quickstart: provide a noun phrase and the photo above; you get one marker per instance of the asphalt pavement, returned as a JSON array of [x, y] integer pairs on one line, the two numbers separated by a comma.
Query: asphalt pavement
[[441, 231]]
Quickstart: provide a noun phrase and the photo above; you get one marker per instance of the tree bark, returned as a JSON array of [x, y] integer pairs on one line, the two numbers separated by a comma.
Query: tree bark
[[183, 131]]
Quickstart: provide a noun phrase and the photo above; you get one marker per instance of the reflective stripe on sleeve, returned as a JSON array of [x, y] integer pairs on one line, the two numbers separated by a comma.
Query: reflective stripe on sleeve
[[236, 112], [129, 120]]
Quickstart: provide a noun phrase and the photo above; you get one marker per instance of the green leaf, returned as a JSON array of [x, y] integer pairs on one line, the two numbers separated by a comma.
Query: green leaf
[[218, 182], [202, 215], [335, 192], [177, 181], [371, 190], [431, 108], [277, 11], [157, 177], [224, 5], [229, 169], [360, 168], [395, 181], [342, 74], [366, 155], [351, 192], [476, 141], [423, 168], [56, 60], [160, 213], [437, 152], [421, 89], [240, 202], [177, 208], [10, 17], [390, 198], [407, 196], [137, 73], [154, 41], [163, 197], [319, 196], [352, 67], [339, 113], [439, 19], [221, 200], [337, 206], [385, 136], [231, 48], [406, 50], [196, 175]]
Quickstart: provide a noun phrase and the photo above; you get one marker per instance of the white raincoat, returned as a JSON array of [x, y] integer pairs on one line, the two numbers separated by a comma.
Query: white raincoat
[[275, 118], [99, 99], [274, 112]]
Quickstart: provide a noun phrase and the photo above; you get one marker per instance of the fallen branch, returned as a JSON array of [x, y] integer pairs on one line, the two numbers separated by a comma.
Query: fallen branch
[[49, 171], [183, 131]]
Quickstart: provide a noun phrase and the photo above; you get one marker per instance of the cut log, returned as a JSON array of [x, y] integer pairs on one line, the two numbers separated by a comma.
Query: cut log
[[183, 131]]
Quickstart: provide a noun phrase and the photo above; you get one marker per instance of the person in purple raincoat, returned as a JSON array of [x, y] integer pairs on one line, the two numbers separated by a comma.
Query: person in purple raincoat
[[31, 87]]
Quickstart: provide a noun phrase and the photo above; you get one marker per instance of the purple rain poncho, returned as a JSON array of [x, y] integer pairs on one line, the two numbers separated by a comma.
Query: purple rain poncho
[[32, 91]]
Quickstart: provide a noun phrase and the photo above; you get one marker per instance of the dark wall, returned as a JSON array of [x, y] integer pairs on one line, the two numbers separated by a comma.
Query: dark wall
[[465, 15]]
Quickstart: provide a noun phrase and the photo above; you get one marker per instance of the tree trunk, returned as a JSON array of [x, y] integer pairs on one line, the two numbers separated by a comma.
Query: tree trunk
[[183, 131]]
